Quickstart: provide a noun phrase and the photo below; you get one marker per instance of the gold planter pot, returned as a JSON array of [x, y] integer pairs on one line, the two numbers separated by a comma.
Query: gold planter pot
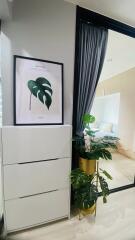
[[89, 167], [88, 211]]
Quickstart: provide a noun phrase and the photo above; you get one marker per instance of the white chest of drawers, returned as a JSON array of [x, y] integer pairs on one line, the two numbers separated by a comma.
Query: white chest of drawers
[[36, 164]]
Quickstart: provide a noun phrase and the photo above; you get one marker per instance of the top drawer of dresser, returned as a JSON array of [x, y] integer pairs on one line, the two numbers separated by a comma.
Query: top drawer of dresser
[[29, 144]]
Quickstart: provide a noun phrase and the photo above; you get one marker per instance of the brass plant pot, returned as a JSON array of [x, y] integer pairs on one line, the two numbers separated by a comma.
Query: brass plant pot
[[89, 167], [88, 211]]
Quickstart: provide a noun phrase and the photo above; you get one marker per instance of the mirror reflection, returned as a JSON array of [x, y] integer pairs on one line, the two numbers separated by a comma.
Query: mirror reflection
[[113, 107]]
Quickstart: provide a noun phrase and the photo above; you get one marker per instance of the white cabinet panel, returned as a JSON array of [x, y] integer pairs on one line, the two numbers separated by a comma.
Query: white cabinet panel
[[36, 163], [26, 144], [32, 178], [25, 212]]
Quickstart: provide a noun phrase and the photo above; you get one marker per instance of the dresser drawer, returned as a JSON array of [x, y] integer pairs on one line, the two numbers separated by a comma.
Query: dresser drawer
[[22, 180], [35, 210], [29, 144]]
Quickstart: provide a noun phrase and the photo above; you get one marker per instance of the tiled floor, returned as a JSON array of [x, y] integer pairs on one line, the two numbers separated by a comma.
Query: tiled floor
[[114, 221]]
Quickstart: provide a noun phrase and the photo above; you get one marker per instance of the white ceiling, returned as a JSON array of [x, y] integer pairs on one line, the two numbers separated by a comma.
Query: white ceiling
[[121, 10], [120, 55]]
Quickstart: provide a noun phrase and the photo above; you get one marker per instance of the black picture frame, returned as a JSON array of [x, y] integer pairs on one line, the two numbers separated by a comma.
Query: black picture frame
[[15, 120]]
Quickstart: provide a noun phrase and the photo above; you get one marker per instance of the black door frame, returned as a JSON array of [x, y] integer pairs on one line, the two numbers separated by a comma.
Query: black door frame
[[86, 15]]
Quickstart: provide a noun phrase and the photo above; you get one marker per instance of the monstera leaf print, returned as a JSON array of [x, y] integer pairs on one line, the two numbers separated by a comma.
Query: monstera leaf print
[[41, 89]]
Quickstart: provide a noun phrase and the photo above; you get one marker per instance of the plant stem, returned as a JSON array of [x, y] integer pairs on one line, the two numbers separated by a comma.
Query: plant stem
[[30, 102], [97, 185]]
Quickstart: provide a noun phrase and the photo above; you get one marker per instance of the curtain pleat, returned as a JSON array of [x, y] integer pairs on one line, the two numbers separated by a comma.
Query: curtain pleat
[[91, 54]]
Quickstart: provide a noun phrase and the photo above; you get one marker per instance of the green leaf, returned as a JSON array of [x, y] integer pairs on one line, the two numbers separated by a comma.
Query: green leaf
[[104, 199], [106, 174], [87, 118], [41, 89], [90, 133], [104, 188], [85, 192], [111, 138]]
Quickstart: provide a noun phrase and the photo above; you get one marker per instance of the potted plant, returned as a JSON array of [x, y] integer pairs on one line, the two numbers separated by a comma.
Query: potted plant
[[89, 181]]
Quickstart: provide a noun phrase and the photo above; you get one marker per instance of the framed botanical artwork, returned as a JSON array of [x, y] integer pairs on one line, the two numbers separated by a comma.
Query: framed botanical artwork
[[38, 91]]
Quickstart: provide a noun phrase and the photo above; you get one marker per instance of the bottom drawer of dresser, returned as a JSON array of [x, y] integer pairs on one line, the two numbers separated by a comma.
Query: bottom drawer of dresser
[[34, 210]]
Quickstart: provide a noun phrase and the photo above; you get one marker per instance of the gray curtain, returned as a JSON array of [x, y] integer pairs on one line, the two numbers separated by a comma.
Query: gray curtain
[[92, 48]]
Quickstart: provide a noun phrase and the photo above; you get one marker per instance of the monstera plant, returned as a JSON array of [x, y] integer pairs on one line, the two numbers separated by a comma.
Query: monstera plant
[[42, 90], [89, 181]]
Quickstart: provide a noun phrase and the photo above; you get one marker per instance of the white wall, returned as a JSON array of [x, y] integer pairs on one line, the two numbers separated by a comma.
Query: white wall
[[1, 196], [0, 192], [5, 9], [42, 29]]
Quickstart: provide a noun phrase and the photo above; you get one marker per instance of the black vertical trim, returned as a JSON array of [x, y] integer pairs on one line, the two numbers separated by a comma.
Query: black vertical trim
[[14, 90], [76, 86]]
